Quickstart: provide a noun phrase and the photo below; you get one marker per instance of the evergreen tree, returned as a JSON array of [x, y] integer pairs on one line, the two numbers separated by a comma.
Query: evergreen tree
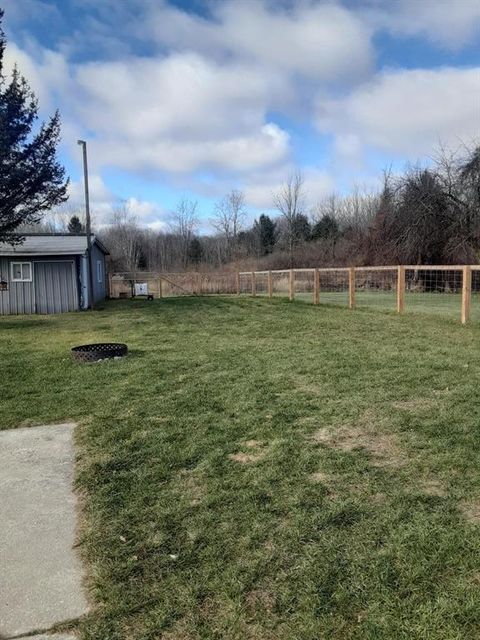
[[301, 228], [265, 229], [75, 226], [31, 179], [195, 251], [142, 263], [326, 227]]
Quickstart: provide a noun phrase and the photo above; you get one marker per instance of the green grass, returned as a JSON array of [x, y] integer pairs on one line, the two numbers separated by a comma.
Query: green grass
[[447, 305], [258, 469]]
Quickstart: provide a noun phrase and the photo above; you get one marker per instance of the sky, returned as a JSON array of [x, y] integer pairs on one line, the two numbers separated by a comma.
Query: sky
[[191, 98]]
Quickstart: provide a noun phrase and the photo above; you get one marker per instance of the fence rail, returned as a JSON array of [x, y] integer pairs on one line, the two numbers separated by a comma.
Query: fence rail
[[451, 290]]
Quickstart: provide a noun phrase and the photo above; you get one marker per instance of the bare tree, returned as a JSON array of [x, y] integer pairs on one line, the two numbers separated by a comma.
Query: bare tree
[[229, 218], [290, 201], [123, 238], [184, 224]]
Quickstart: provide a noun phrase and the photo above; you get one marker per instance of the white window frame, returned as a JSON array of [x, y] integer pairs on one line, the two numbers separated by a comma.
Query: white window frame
[[99, 272], [22, 264]]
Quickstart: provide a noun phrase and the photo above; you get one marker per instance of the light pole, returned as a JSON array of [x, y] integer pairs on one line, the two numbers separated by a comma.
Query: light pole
[[88, 226]]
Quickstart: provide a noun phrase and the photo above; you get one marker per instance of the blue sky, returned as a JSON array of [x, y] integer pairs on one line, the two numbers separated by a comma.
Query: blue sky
[[193, 98]]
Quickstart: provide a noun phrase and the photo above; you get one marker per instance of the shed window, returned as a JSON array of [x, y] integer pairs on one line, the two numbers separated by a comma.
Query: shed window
[[21, 271], [99, 271]]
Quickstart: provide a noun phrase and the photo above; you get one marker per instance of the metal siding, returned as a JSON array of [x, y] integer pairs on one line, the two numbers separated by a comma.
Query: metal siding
[[19, 298], [4, 295], [55, 287]]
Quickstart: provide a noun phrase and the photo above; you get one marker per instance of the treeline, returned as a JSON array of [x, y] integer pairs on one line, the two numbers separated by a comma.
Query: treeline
[[424, 216]]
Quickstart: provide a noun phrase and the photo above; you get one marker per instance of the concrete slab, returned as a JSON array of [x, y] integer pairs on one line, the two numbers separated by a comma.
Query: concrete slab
[[40, 575]]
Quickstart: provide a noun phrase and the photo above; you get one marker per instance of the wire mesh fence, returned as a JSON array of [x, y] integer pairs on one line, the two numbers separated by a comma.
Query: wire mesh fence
[[434, 290], [376, 287], [475, 303], [334, 286], [450, 291], [280, 283], [304, 282]]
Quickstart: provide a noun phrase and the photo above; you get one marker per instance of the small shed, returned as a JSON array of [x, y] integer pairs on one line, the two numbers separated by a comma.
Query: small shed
[[48, 273]]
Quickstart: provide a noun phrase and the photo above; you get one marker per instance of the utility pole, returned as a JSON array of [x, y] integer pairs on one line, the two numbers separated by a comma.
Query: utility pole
[[88, 225]]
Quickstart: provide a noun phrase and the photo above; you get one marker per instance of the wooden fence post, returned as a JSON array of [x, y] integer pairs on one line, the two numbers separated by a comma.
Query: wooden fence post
[[316, 286], [291, 285], [199, 284], [160, 288], [254, 284], [238, 283], [466, 293], [401, 289], [351, 287], [270, 285]]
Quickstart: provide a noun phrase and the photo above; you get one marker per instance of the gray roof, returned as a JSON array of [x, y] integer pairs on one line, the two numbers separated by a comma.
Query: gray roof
[[50, 244]]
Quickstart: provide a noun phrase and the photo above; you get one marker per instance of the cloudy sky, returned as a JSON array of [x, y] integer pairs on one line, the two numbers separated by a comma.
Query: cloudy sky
[[192, 97]]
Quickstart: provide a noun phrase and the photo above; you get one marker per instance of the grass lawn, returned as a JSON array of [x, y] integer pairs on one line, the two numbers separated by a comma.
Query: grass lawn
[[447, 305], [258, 469]]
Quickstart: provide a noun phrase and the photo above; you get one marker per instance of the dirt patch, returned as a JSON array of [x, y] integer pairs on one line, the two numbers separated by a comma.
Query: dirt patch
[[471, 511], [384, 447], [414, 404]]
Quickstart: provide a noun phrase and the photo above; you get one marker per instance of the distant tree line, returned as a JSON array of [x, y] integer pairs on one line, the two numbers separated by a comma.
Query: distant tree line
[[422, 216]]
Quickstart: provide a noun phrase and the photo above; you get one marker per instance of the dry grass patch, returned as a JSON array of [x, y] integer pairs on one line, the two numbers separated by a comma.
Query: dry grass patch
[[179, 632], [384, 447], [246, 458], [260, 601], [256, 452], [414, 404], [320, 477], [253, 444], [191, 486], [471, 511], [433, 487]]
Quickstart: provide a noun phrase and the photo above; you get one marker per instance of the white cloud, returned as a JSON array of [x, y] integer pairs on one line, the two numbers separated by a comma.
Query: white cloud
[[407, 112], [451, 24], [148, 214], [103, 203], [322, 41], [44, 70], [158, 225], [180, 113]]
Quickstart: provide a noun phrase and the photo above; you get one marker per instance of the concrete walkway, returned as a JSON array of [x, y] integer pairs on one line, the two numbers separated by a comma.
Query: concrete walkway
[[40, 574]]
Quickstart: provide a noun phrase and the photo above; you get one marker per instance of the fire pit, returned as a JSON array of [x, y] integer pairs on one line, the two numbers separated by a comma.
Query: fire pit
[[99, 351]]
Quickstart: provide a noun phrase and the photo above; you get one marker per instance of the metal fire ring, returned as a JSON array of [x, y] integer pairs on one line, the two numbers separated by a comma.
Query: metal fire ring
[[99, 351]]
